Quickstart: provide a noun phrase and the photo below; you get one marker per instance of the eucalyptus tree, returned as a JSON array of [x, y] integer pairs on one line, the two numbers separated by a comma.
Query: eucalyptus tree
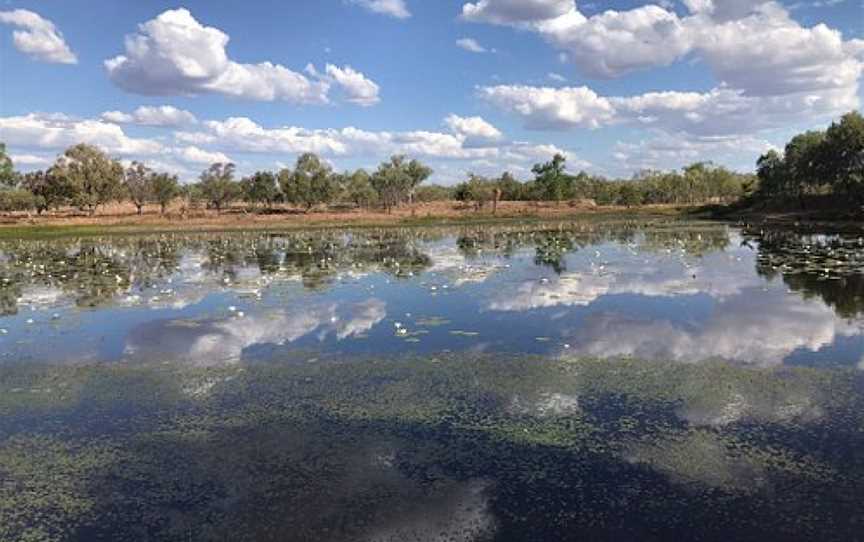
[[551, 180], [260, 188], [359, 189], [165, 188], [93, 177], [217, 185], [8, 177], [396, 179], [844, 143], [310, 183], [137, 180]]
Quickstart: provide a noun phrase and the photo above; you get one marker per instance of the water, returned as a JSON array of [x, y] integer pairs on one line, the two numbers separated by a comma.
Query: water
[[602, 381]]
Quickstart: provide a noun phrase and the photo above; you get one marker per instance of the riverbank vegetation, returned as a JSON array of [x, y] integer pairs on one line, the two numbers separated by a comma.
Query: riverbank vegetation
[[817, 168]]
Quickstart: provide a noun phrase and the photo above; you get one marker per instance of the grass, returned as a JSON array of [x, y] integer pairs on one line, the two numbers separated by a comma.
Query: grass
[[120, 222]]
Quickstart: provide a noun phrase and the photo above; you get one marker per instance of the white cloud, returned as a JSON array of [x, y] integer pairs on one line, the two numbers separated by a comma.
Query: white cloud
[[617, 42], [721, 111], [770, 69], [164, 115], [471, 45], [393, 8], [174, 54], [557, 77], [29, 160], [510, 12], [358, 89], [59, 131], [195, 155], [38, 37], [546, 107], [476, 131]]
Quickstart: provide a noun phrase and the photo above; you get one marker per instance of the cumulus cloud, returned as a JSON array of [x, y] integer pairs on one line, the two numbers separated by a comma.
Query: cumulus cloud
[[471, 45], [508, 12], [546, 107], [720, 111], [174, 54], [195, 155], [468, 138], [356, 87], [37, 37], [393, 8], [29, 160], [164, 115], [58, 131], [770, 69], [476, 131]]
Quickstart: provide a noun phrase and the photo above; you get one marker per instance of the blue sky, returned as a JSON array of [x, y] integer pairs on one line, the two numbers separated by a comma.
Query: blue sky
[[482, 86]]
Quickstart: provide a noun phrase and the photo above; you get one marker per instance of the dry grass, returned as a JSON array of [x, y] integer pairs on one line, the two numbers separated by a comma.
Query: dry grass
[[123, 216]]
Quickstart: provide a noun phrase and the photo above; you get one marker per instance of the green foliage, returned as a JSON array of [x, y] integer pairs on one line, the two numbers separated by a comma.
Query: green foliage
[[260, 188], [8, 177], [49, 189], [164, 189], [137, 182], [311, 183], [359, 190], [476, 189], [817, 162], [16, 199], [434, 192], [92, 177], [218, 187], [551, 181], [396, 180]]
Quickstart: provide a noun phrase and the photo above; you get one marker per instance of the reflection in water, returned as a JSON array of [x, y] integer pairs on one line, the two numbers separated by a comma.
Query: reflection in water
[[216, 342], [639, 382], [687, 293], [449, 448]]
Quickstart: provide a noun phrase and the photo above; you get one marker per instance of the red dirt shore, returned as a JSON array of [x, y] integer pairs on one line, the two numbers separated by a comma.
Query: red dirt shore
[[237, 217]]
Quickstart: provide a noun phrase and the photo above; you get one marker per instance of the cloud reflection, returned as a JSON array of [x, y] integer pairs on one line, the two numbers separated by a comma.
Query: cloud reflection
[[216, 342]]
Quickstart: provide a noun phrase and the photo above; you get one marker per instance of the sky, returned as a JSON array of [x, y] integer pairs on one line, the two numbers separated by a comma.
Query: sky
[[482, 86]]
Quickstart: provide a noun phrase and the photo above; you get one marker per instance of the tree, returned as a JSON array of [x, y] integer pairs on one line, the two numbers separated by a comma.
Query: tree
[[16, 199], [49, 189], [137, 179], [771, 171], [844, 155], [550, 178], [8, 176], [359, 190], [311, 183], [218, 187], [260, 188], [804, 163], [629, 194], [511, 189], [164, 188], [477, 189], [396, 179], [94, 178]]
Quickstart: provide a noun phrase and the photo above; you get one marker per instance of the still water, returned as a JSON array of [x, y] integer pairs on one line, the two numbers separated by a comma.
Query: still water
[[578, 381]]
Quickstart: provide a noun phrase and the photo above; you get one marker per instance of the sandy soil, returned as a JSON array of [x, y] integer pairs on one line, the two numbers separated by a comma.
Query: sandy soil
[[124, 215]]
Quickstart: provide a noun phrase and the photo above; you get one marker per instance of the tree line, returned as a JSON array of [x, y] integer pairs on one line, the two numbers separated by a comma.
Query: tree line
[[86, 178], [817, 162]]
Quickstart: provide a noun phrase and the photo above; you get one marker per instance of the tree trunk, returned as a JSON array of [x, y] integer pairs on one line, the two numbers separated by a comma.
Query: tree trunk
[[140, 209]]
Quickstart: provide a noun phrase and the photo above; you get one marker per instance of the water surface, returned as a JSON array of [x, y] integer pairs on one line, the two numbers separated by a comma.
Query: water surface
[[602, 381]]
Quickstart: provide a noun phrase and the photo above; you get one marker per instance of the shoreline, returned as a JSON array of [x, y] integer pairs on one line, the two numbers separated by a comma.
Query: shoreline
[[420, 215]]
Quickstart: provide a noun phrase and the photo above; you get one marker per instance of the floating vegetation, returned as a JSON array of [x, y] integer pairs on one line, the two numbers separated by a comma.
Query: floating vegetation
[[477, 447]]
